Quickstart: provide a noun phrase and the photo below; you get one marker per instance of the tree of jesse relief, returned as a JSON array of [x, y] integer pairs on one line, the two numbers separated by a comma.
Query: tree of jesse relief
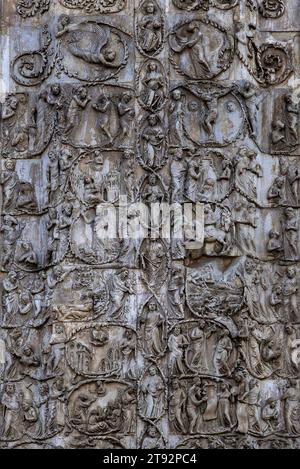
[[113, 112]]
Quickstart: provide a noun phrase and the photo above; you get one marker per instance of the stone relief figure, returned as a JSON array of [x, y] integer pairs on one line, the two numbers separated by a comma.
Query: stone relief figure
[[17, 194], [290, 231], [154, 260], [177, 402], [12, 230], [222, 354], [247, 172], [177, 343], [153, 143], [152, 439], [122, 286], [150, 28], [152, 190], [11, 402], [153, 394], [284, 134], [290, 294], [126, 116], [153, 329], [78, 103], [190, 43], [15, 128], [152, 78], [176, 119]]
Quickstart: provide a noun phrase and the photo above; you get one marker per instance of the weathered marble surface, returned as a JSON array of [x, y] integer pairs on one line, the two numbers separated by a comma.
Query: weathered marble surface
[[147, 343]]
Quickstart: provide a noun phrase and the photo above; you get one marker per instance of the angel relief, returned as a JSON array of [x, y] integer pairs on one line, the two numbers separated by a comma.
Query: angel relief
[[91, 51], [200, 49]]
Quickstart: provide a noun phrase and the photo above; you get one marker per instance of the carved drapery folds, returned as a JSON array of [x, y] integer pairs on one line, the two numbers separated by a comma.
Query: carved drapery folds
[[142, 340]]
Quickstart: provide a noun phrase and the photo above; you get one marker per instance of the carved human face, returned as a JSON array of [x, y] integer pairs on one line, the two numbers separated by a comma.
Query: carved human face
[[44, 390], [249, 267], [64, 20], [12, 276], [10, 389], [125, 275], [152, 67], [289, 213], [178, 154], [175, 385], [27, 351], [152, 432], [56, 90], [152, 180], [126, 98], [110, 55], [13, 103], [83, 93], [177, 95], [152, 120], [10, 165], [150, 8], [152, 306], [128, 154], [230, 106], [52, 213], [291, 272], [152, 371]]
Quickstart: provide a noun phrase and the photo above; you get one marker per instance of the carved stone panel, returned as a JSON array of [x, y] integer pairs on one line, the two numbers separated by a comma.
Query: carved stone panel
[[150, 224]]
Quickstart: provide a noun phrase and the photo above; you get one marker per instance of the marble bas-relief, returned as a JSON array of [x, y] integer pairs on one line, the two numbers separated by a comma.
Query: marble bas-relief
[[150, 341]]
